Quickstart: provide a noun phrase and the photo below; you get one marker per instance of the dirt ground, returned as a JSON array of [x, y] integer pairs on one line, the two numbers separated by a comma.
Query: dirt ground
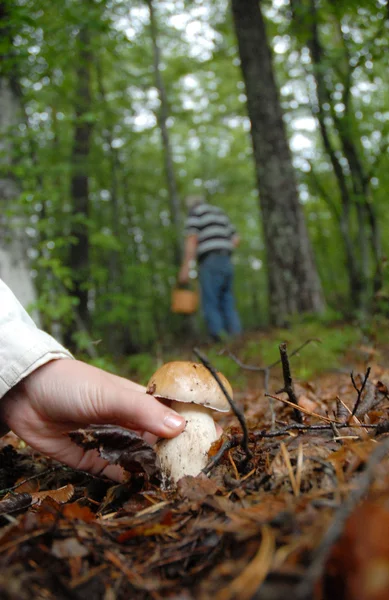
[[305, 515]]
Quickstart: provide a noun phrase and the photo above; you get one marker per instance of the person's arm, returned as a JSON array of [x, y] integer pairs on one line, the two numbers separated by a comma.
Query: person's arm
[[189, 256], [45, 393], [235, 240]]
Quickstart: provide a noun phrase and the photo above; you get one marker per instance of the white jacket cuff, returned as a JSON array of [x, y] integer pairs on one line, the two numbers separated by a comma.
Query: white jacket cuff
[[24, 358]]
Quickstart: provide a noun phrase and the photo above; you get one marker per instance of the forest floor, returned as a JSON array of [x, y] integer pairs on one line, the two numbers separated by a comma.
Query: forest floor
[[304, 516]]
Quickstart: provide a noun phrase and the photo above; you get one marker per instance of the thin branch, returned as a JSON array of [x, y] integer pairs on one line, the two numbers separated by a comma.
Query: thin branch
[[382, 151], [299, 427], [238, 413], [52, 470], [232, 442], [302, 410], [288, 382], [327, 197], [255, 436], [321, 554], [266, 370], [36, 476], [359, 390], [269, 367]]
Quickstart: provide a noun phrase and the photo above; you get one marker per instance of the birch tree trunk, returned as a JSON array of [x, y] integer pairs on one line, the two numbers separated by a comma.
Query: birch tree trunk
[[14, 267], [294, 284]]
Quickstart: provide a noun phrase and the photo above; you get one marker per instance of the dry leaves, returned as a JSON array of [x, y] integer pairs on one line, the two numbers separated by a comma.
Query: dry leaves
[[245, 531], [118, 446]]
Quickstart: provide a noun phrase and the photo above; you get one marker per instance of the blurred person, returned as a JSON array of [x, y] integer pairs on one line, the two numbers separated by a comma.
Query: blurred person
[[45, 393], [210, 238]]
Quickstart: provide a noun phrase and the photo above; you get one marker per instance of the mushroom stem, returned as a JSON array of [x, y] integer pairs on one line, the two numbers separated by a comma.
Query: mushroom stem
[[187, 454]]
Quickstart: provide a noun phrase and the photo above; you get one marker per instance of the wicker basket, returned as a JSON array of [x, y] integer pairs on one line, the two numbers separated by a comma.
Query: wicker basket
[[184, 301]]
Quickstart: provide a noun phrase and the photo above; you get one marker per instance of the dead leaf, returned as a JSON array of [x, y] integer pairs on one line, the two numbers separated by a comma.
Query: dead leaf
[[358, 567], [78, 512], [145, 530], [119, 446], [382, 388], [61, 495], [27, 486], [246, 584], [308, 404], [196, 488]]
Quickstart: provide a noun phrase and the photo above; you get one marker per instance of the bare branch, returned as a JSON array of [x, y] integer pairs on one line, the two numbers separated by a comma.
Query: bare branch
[[238, 413], [255, 436], [359, 390], [288, 382]]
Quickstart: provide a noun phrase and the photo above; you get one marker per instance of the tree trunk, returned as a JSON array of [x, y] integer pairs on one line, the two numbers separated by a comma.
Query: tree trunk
[[294, 285], [79, 252], [14, 267], [114, 335], [357, 211], [175, 209]]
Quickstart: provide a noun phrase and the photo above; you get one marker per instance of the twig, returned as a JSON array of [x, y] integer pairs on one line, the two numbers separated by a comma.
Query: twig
[[266, 379], [335, 432], [36, 476], [52, 470], [266, 371], [289, 468], [321, 554], [236, 440], [302, 410], [288, 382], [238, 413], [359, 390], [299, 466], [232, 442], [342, 410], [269, 367], [352, 420]]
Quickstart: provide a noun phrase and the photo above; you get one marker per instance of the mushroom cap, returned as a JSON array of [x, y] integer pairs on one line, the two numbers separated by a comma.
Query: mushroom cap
[[185, 381]]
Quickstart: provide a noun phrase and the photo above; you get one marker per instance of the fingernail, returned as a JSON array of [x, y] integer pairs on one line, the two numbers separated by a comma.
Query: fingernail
[[174, 421]]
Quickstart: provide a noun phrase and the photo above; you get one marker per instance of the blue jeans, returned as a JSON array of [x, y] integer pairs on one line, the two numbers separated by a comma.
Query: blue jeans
[[216, 277]]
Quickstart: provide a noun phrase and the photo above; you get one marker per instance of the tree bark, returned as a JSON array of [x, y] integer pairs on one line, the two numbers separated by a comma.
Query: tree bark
[[14, 264], [294, 284], [358, 220], [79, 251], [163, 114]]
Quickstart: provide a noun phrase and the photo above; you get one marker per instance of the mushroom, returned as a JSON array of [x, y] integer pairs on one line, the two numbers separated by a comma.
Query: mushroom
[[193, 393]]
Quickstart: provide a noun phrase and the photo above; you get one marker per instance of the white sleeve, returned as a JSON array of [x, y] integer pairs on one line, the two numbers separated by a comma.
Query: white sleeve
[[23, 347]]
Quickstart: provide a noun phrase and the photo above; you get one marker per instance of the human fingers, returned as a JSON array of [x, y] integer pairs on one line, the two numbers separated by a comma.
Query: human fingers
[[128, 384], [70, 390], [138, 410]]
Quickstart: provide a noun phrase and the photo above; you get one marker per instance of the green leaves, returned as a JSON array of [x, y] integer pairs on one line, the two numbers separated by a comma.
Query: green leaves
[[128, 225]]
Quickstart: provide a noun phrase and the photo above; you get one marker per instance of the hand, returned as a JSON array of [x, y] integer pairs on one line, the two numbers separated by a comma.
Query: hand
[[66, 394], [183, 276]]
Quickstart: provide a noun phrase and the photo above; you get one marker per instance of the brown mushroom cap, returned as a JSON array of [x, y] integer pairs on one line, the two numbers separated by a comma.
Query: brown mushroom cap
[[185, 381]]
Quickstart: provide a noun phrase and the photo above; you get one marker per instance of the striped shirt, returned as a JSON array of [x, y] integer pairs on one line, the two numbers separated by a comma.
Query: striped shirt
[[213, 229]]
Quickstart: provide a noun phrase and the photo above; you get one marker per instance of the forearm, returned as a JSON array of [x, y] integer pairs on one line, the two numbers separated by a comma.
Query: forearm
[[235, 240], [190, 249]]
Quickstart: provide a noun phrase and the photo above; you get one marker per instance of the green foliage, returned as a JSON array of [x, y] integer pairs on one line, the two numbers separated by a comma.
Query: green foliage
[[129, 227], [104, 362], [229, 368], [330, 344], [140, 367]]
